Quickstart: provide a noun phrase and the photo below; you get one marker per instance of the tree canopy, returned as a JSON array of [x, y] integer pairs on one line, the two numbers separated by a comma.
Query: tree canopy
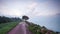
[[25, 17], [4, 19]]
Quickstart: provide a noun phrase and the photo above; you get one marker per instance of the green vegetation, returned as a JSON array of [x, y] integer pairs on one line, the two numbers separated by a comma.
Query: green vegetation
[[37, 29], [5, 27], [25, 17], [34, 28], [4, 19], [7, 23]]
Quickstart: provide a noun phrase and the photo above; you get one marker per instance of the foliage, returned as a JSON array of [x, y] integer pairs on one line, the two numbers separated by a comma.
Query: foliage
[[34, 28], [37, 29], [7, 23], [4, 19], [25, 17], [5, 27]]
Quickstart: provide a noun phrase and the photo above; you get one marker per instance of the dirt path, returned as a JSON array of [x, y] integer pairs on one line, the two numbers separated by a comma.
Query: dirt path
[[21, 28]]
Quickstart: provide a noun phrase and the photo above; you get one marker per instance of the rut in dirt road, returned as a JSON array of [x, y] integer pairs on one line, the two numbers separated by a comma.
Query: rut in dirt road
[[21, 28]]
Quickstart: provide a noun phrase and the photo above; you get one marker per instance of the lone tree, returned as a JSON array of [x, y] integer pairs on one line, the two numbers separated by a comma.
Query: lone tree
[[25, 17]]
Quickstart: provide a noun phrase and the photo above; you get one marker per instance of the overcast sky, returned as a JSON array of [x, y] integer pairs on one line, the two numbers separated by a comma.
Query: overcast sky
[[43, 12], [32, 8]]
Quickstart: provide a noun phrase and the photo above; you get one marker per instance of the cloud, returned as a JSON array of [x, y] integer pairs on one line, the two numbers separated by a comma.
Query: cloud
[[42, 9], [10, 12], [32, 5], [46, 13], [32, 9]]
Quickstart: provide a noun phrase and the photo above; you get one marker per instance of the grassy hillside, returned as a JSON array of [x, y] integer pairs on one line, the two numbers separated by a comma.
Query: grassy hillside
[[37, 29], [5, 27]]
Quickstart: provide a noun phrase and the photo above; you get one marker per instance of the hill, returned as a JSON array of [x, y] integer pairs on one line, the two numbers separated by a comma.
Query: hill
[[37, 29]]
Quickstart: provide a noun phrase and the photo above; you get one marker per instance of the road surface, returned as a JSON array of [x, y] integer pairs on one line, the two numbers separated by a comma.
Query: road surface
[[21, 28]]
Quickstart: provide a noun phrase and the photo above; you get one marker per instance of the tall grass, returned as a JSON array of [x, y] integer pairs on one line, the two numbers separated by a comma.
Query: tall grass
[[5, 27]]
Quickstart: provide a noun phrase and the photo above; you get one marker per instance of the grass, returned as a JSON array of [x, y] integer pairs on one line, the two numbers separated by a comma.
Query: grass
[[5, 27], [36, 29]]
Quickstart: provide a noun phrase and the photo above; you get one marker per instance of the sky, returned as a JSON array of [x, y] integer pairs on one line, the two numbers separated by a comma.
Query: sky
[[42, 12]]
